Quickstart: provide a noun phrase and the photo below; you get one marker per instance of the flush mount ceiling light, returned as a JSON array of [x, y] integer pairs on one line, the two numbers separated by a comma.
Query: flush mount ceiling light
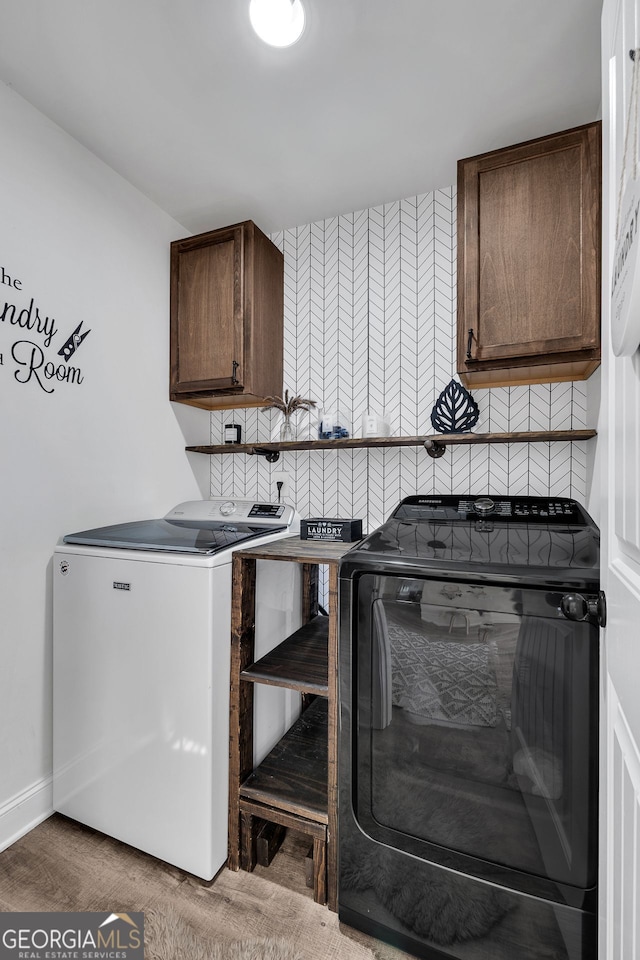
[[278, 22]]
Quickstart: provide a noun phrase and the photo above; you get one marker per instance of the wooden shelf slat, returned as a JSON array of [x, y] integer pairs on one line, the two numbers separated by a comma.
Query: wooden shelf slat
[[447, 439], [299, 662], [296, 550], [293, 777]]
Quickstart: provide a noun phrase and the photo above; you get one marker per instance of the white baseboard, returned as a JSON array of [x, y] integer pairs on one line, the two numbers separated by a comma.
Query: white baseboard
[[24, 811]]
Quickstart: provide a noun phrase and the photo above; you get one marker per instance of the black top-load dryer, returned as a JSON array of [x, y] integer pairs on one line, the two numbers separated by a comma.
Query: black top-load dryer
[[468, 729]]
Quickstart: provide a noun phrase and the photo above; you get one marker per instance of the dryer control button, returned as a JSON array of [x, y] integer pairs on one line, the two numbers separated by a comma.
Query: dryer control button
[[227, 508], [484, 506]]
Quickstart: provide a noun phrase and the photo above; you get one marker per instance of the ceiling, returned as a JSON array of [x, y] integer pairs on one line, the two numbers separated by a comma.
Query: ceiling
[[376, 102]]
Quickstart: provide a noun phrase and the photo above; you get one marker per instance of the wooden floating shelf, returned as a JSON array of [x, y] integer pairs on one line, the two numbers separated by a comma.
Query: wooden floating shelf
[[434, 443]]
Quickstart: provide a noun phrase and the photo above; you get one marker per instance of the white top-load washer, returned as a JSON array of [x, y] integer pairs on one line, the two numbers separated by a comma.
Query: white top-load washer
[[142, 622]]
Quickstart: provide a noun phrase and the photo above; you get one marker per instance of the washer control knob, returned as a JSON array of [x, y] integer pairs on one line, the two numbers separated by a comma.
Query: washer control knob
[[227, 508], [484, 506]]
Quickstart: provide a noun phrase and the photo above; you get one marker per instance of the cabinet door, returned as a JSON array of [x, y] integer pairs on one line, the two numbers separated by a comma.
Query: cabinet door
[[528, 253], [207, 312]]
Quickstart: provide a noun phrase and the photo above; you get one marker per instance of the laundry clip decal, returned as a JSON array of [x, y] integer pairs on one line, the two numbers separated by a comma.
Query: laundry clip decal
[[74, 341]]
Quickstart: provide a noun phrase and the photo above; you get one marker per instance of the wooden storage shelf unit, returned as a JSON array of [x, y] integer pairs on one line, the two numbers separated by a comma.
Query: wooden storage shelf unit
[[296, 784]]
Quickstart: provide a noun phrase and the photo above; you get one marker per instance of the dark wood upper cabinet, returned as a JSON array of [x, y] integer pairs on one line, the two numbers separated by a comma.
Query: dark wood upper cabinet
[[227, 304], [529, 261]]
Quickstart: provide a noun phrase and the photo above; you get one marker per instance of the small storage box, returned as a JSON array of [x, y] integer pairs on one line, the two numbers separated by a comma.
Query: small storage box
[[323, 528]]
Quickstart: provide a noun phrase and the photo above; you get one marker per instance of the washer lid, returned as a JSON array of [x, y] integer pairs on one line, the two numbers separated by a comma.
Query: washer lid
[[176, 536]]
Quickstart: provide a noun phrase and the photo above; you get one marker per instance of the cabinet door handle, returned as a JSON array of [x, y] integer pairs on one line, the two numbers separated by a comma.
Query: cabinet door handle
[[469, 342], [234, 379]]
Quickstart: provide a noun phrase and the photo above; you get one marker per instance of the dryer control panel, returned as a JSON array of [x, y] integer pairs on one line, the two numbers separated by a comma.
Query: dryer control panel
[[558, 510]]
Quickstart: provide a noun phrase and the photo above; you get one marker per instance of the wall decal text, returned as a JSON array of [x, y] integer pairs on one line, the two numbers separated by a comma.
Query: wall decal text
[[32, 363], [30, 359]]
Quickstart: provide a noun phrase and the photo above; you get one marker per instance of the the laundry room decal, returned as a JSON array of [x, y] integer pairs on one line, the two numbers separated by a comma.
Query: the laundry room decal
[[36, 360]]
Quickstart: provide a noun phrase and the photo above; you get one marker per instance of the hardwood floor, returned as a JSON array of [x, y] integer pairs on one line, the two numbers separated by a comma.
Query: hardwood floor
[[62, 865]]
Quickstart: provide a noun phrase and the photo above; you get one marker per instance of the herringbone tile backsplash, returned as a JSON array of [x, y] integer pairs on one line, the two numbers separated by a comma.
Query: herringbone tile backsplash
[[370, 324]]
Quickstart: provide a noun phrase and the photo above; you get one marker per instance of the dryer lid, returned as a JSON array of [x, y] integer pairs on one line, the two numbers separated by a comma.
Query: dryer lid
[[515, 538]]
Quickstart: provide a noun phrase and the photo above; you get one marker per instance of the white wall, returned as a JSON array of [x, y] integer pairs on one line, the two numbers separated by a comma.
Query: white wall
[[88, 249]]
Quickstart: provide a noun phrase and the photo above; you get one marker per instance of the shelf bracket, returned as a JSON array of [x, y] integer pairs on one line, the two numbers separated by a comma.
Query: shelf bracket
[[434, 448], [271, 456]]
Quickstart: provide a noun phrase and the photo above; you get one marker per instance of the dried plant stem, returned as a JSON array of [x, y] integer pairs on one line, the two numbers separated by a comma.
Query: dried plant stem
[[287, 405]]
